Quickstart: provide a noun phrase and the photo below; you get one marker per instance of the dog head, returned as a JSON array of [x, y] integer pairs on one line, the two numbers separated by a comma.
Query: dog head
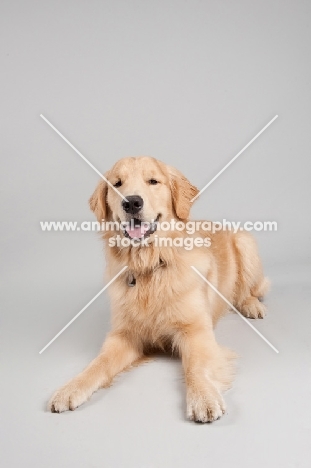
[[152, 192]]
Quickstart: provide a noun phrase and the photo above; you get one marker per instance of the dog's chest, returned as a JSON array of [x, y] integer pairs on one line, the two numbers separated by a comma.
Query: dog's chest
[[150, 302], [149, 293]]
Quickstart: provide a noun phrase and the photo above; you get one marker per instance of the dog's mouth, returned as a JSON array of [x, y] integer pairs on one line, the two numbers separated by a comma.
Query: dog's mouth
[[140, 229]]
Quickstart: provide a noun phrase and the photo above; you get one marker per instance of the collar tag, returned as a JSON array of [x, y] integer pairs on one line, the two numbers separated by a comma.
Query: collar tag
[[131, 280]]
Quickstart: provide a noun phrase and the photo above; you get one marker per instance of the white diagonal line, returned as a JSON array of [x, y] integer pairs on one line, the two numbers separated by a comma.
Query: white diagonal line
[[82, 310], [83, 157], [235, 157], [235, 310]]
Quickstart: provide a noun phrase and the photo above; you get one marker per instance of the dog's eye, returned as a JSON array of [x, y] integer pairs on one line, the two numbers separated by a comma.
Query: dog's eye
[[118, 184], [153, 182]]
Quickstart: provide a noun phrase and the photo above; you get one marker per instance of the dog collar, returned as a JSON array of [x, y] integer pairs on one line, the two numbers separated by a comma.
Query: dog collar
[[131, 280]]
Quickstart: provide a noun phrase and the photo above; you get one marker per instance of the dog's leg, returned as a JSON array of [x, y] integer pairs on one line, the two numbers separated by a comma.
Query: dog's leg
[[252, 285], [117, 354], [208, 370]]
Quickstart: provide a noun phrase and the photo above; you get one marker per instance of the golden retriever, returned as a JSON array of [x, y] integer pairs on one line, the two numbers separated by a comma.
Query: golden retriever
[[159, 301]]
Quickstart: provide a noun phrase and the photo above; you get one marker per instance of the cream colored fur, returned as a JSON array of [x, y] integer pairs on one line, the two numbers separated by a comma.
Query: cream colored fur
[[170, 308]]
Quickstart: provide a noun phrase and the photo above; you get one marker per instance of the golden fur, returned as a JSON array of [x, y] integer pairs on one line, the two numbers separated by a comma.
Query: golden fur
[[170, 307]]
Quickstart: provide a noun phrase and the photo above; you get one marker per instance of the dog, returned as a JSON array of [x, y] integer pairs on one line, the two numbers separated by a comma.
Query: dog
[[159, 302]]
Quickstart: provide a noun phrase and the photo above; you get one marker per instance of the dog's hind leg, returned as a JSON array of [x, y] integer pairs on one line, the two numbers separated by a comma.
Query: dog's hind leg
[[252, 285]]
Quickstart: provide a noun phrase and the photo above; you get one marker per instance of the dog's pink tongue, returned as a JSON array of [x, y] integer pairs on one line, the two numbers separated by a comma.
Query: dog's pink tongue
[[137, 232]]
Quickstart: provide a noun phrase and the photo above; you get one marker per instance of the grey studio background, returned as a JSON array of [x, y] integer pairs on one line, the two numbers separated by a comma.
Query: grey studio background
[[189, 82]]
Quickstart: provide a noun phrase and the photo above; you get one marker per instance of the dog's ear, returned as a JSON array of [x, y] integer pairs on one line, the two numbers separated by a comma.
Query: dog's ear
[[182, 193], [97, 202]]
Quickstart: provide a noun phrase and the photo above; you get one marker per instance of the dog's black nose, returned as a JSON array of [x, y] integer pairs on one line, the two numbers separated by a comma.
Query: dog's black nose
[[133, 204]]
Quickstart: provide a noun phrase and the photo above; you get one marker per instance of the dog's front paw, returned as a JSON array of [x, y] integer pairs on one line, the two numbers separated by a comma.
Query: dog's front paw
[[68, 397], [205, 405], [253, 308]]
